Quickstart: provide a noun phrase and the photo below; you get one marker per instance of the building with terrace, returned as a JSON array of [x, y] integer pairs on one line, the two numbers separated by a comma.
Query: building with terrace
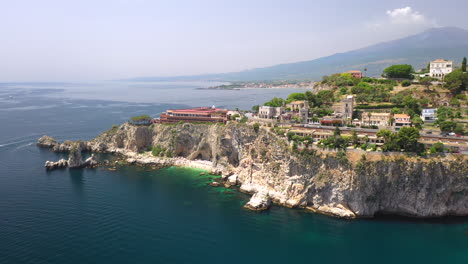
[[375, 119], [269, 112], [429, 115], [402, 120], [194, 115]]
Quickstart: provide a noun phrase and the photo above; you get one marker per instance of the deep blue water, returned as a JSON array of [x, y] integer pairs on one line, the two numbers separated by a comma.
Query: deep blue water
[[135, 215]]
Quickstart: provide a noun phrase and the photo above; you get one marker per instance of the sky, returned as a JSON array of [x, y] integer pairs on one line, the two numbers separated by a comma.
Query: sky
[[85, 40]]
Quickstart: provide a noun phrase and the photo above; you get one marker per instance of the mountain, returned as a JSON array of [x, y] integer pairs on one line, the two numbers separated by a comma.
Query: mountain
[[449, 43]]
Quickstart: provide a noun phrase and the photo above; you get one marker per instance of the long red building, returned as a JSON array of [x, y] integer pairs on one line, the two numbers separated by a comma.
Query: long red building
[[194, 115]]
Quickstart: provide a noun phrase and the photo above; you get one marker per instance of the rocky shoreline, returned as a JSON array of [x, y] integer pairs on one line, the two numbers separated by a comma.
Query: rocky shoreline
[[265, 166]]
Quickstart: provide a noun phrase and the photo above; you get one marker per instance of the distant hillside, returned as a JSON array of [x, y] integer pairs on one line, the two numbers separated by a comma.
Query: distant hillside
[[446, 43]]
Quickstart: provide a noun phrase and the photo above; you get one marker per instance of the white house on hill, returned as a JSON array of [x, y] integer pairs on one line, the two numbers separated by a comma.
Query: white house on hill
[[440, 68]]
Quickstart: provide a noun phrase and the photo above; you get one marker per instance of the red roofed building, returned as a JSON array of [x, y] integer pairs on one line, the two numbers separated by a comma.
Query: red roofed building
[[356, 74], [194, 115]]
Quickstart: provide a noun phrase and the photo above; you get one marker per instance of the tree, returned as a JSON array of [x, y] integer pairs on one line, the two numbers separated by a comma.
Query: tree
[[455, 102], [255, 108], [256, 127], [403, 71], [459, 129], [408, 138], [354, 138], [390, 139], [337, 132], [296, 97], [447, 126], [456, 81], [406, 83], [426, 81], [412, 105], [463, 67], [325, 97], [275, 102], [437, 147], [417, 122]]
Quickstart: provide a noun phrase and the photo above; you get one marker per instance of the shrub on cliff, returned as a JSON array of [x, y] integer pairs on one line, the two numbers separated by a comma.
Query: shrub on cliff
[[158, 150], [256, 127]]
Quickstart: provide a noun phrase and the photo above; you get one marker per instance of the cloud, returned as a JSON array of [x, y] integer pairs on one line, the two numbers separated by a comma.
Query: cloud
[[399, 22], [406, 15]]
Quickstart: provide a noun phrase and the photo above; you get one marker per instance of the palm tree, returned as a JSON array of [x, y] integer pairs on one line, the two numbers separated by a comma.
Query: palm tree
[[369, 115]]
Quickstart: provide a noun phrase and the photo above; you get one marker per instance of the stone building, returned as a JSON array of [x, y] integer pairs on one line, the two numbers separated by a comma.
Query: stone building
[[269, 112], [375, 119]]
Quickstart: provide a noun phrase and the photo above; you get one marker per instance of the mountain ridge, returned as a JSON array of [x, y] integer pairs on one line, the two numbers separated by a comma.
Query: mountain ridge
[[435, 43]]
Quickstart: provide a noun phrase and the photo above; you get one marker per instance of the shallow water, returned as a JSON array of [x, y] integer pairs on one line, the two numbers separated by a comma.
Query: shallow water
[[138, 215]]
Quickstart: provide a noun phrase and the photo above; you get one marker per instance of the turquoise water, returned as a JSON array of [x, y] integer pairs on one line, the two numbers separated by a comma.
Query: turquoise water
[[137, 215]]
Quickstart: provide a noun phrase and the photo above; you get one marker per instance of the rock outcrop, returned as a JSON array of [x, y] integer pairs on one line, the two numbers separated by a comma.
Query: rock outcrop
[[265, 163], [259, 201], [51, 165], [75, 159]]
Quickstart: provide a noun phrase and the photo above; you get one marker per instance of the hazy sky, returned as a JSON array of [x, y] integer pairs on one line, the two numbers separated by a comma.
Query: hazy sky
[[62, 40]]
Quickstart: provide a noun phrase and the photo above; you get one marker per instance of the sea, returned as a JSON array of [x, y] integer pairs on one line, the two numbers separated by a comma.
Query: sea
[[132, 214]]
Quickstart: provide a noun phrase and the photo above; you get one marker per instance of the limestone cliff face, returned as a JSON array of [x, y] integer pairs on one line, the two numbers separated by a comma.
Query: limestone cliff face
[[264, 162]]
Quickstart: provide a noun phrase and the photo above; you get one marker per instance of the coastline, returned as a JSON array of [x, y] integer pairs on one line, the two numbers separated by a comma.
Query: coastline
[[264, 165]]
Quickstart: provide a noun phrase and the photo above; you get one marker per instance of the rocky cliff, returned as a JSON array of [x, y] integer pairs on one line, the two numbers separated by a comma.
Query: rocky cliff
[[263, 163]]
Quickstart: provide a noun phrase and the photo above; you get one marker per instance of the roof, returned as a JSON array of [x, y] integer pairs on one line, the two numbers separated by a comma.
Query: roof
[[297, 102], [198, 110], [376, 114], [353, 72], [401, 116], [440, 60]]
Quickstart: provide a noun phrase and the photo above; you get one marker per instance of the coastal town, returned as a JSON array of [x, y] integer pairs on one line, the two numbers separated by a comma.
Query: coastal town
[[365, 111]]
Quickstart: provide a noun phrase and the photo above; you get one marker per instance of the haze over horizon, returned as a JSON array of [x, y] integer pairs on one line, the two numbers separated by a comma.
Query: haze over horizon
[[55, 40]]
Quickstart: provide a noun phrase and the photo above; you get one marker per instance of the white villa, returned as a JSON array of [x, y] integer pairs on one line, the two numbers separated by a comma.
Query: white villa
[[440, 68], [429, 115], [268, 112]]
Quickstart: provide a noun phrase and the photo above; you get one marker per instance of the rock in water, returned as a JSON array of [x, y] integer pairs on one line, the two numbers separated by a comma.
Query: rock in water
[[47, 142], [215, 184], [50, 165], [259, 201], [232, 179], [90, 162], [74, 158]]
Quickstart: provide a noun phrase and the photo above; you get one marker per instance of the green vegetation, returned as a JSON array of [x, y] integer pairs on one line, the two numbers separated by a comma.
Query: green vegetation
[[437, 148], [141, 118], [296, 97], [402, 71], [256, 127], [426, 81], [406, 138], [463, 67], [366, 92], [406, 83], [456, 81], [158, 151], [275, 102], [380, 106]]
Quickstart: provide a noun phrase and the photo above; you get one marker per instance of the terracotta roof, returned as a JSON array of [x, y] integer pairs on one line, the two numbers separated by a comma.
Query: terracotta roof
[[198, 110], [401, 116], [354, 72], [440, 60]]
